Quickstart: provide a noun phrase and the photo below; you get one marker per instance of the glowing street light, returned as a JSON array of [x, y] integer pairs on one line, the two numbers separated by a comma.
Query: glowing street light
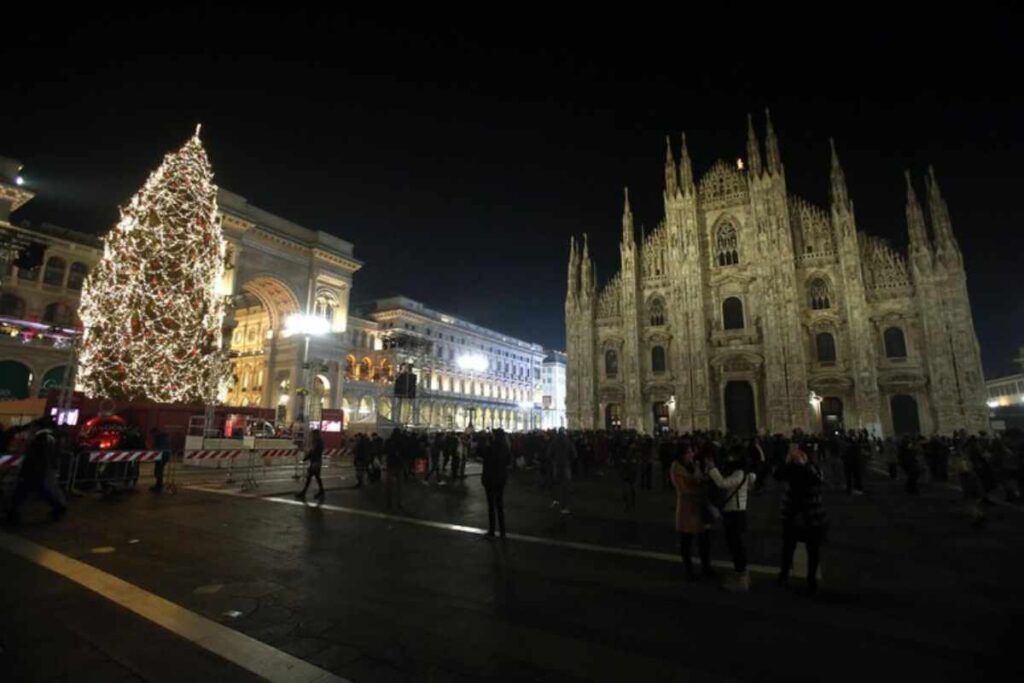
[[308, 326]]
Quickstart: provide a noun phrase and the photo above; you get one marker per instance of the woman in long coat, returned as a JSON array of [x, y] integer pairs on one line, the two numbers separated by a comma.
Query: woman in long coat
[[689, 484]]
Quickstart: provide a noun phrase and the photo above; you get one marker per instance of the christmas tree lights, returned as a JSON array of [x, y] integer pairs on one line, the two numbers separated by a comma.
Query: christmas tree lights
[[151, 308]]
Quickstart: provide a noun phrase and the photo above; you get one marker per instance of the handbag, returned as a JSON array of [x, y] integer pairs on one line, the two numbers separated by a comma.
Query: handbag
[[714, 511]]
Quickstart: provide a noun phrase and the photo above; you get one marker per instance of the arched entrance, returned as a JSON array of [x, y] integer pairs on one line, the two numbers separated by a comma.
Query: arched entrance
[[613, 416], [905, 419], [259, 313], [740, 413], [15, 379], [52, 379], [831, 415]]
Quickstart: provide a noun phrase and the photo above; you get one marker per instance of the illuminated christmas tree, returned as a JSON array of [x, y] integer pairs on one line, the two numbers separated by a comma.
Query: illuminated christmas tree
[[151, 308]]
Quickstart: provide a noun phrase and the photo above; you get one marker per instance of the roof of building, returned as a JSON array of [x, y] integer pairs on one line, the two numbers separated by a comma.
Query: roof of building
[[404, 303]]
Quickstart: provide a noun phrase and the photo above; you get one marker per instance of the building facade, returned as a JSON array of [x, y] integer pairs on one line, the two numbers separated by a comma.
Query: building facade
[[276, 268], [553, 391], [750, 309], [38, 306], [467, 376]]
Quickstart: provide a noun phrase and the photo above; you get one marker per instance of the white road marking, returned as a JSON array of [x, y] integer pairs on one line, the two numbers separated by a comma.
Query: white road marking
[[248, 653], [798, 569]]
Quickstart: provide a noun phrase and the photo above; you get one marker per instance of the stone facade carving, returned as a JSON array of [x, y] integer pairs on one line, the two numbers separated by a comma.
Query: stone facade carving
[[750, 308]]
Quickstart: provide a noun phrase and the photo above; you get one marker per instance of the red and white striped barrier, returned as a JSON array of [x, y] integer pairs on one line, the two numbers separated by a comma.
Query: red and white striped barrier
[[212, 455], [10, 460], [331, 452], [278, 452], [124, 456]]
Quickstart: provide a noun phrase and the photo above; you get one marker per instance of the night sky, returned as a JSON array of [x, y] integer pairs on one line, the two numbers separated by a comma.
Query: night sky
[[459, 154]]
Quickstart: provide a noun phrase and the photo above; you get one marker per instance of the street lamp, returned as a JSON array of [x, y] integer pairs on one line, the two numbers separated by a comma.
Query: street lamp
[[308, 326]]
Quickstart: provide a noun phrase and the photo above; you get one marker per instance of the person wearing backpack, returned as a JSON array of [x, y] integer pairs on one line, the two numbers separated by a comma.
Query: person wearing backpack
[[733, 487]]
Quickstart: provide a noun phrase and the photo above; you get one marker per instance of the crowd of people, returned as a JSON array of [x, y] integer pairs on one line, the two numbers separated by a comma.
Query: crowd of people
[[713, 476]]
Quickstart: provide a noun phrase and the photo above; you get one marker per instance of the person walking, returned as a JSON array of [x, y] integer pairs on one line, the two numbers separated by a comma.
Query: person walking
[[361, 458], [803, 514], [627, 460], [394, 469], [562, 453], [435, 459], [852, 465], [162, 443], [315, 456], [38, 473], [496, 460], [736, 483], [690, 520], [908, 457]]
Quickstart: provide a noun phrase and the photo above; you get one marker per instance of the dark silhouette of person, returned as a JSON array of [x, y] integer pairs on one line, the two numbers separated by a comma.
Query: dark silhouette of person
[[315, 456], [497, 458]]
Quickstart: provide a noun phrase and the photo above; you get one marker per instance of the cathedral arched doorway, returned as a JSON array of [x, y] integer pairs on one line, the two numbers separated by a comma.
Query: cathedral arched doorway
[[613, 416], [831, 415], [740, 412], [905, 419]]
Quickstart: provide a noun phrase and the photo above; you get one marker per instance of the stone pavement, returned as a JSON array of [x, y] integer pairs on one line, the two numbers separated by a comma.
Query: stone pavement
[[909, 589]]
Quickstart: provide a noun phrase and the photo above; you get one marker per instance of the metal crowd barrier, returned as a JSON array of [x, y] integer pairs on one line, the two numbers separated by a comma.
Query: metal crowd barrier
[[110, 468]]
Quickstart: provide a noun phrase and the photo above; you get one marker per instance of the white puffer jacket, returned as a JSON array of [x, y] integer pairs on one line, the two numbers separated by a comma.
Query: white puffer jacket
[[737, 501]]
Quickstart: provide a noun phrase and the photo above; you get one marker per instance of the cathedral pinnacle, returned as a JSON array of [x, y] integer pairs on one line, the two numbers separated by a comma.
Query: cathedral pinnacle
[[915, 219], [685, 169], [753, 149], [939, 214], [671, 173], [771, 146], [574, 275], [839, 195], [627, 221]]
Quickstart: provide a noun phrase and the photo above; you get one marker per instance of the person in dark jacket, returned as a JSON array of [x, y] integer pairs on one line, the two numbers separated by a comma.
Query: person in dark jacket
[[803, 514], [497, 458], [161, 442], [315, 456], [38, 473]]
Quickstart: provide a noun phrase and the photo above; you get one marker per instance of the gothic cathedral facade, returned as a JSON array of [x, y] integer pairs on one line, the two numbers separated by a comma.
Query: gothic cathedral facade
[[750, 310]]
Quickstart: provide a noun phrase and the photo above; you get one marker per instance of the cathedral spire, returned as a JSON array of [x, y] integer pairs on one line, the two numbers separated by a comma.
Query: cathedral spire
[[587, 268], [838, 193], [939, 214], [628, 233], [753, 149], [771, 147], [671, 172], [915, 221], [574, 275], [685, 169]]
